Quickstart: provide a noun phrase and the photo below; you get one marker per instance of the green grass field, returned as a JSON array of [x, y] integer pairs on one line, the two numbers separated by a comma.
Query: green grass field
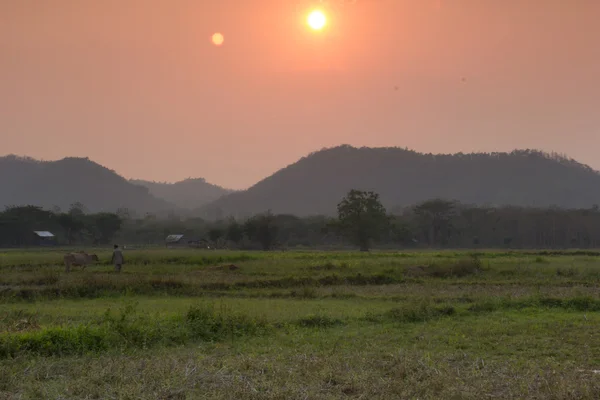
[[187, 324]]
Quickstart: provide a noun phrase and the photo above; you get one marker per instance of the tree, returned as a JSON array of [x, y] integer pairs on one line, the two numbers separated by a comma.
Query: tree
[[215, 234], [77, 209], [235, 232], [18, 223], [107, 225], [124, 213], [434, 218], [400, 232], [71, 224], [262, 229], [361, 218]]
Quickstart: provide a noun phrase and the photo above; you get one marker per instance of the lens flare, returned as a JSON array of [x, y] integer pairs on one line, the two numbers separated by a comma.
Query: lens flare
[[218, 39]]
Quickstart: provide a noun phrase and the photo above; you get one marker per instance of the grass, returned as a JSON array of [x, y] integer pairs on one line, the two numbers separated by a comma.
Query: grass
[[200, 324]]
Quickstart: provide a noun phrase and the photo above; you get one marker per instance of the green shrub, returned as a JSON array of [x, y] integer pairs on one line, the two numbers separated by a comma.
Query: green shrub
[[566, 272], [127, 330], [55, 341], [419, 312], [307, 292], [459, 269], [318, 321], [206, 323]]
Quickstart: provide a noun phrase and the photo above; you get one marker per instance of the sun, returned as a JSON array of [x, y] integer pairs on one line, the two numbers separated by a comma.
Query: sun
[[317, 20]]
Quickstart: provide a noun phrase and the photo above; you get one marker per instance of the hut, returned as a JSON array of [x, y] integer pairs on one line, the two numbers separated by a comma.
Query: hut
[[44, 238], [175, 241]]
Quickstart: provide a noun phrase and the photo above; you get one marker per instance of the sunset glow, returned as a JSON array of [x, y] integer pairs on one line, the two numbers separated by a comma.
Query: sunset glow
[[233, 90], [317, 20]]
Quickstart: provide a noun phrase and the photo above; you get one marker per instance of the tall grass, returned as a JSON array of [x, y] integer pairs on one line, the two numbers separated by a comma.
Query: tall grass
[[128, 330]]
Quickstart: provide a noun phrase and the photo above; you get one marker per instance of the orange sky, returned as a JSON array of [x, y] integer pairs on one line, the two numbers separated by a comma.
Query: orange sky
[[137, 85]]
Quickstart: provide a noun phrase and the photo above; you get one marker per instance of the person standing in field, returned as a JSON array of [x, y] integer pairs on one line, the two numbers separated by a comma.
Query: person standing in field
[[117, 258]]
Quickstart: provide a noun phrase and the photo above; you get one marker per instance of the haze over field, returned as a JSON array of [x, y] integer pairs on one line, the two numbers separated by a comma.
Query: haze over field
[[138, 85]]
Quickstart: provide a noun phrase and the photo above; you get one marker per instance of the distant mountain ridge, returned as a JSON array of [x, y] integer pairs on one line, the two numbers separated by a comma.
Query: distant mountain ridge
[[48, 184], [316, 183], [190, 193]]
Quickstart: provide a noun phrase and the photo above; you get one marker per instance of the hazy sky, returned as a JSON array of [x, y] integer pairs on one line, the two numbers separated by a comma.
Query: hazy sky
[[137, 85]]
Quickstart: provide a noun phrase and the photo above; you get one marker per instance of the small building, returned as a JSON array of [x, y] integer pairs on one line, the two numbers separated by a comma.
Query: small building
[[175, 241], [44, 238]]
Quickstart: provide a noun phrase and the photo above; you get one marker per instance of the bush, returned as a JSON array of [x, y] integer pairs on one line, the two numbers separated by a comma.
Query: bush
[[318, 321], [54, 341], [307, 292], [126, 330], [419, 312], [567, 272], [207, 324], [582, 303], [459, 269]]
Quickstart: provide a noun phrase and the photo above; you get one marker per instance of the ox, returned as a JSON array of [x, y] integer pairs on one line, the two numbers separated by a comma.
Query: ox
[[79, 259]]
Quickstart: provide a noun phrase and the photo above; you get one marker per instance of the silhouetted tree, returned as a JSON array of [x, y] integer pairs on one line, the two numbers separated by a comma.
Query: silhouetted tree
[[262, 229], [124, 213], [436, 222], [77, 209], [434, 218], [71, 225], [18, 223], [214, 235], [400, 231], [362, 218], [235, 232], [106, 226]]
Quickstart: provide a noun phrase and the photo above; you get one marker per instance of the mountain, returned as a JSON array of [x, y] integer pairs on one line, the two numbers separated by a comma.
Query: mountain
[[25, 181], [316, 183], [189, 193]]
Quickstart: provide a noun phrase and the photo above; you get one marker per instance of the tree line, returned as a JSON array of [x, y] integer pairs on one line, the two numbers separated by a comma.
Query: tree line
[[362, 222]]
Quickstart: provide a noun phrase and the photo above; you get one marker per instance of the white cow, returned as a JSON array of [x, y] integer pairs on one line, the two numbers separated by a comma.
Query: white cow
[[79, 259]]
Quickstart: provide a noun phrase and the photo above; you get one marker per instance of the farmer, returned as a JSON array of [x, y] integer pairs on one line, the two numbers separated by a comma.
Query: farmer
[[117, 258]]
